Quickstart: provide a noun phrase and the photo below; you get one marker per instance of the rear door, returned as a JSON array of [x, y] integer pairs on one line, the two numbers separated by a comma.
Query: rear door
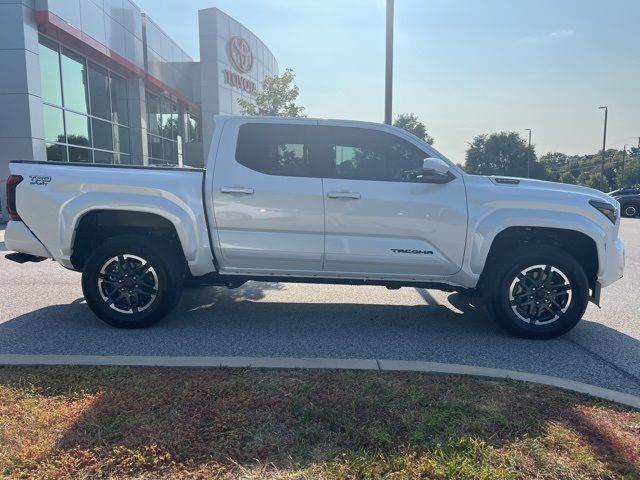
[[381, 220], [267, 198]]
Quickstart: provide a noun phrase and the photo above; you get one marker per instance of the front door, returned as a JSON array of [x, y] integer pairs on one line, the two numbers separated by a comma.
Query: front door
[[380, 219], [267, 199]]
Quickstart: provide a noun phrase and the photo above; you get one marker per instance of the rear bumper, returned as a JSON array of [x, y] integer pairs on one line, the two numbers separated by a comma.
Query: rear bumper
[[18, 237], [613, 267]]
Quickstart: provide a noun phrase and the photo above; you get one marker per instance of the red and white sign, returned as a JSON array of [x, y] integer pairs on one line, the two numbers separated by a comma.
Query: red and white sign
[[240, 54], [243, 83], [241, 57]]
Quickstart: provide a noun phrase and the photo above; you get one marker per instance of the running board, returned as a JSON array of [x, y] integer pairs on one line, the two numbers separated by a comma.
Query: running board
[[19, 257]]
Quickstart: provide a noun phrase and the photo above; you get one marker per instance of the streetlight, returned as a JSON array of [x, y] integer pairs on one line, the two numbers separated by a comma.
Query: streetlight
[[388, 73], [624, 156], [604, 146], [529, 154]]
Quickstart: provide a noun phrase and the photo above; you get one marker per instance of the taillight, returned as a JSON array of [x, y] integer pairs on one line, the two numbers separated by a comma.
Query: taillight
[[12, 183]]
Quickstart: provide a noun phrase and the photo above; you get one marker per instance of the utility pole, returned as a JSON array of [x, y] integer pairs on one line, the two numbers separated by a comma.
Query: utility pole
[[604, 146], [624, 155], [388, 74], [529, 155]]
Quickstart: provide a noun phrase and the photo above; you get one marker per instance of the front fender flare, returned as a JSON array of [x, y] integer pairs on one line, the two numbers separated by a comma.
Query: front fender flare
[[488, 228]]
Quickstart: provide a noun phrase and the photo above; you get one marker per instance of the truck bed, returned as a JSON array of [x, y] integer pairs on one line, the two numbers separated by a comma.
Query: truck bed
[[53, 198]]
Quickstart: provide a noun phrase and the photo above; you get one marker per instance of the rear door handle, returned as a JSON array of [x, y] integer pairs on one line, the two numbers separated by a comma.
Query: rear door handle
[[352, 195], [240, 190]]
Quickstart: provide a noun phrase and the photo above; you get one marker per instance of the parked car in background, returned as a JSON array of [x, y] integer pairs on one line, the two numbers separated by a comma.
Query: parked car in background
[[318, 201], [629, 204], [635, 190]]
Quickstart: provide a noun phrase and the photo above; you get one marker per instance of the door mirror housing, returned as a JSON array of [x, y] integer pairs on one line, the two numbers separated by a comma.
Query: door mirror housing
[[436, 170]]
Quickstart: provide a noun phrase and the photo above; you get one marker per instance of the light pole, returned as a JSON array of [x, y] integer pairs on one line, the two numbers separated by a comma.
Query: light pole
[[529, 154], [388, 73], [624, 156], [604, 146]]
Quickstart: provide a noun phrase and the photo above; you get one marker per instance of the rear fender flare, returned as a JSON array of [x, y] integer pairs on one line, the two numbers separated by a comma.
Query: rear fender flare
[[181, 217]]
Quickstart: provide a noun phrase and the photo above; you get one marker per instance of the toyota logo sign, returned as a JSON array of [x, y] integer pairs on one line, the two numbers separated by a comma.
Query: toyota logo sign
[[240, 54]]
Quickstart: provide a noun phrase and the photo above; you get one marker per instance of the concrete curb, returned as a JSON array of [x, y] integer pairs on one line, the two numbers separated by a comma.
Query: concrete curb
[[324, 363]]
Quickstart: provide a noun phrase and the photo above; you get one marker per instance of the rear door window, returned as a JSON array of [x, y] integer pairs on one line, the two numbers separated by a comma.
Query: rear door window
[[273, 149]]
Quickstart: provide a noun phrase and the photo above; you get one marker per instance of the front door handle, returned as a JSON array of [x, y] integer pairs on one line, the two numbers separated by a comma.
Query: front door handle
[[352, 195], [240, 190]]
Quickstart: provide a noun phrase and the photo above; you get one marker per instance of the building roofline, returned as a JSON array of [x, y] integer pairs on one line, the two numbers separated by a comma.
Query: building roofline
[[243, 26], [146, 18]]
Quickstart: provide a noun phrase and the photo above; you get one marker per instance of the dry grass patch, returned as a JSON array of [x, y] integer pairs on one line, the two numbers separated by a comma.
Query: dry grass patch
[[143, 423]]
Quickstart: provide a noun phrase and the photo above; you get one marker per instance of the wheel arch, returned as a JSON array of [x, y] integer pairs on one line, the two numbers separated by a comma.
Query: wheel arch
[[578, 244], [189, 224], [96, 225]]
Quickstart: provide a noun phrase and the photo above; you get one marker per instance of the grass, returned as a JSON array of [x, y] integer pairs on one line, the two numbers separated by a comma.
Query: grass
[[149, 423]]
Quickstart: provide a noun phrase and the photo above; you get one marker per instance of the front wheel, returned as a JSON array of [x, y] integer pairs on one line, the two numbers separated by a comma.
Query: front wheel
[[630, 210], [130, 283], [538, 292]]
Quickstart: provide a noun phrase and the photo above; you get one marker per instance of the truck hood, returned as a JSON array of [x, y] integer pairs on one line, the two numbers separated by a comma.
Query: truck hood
[[531, 186], [527, 197]]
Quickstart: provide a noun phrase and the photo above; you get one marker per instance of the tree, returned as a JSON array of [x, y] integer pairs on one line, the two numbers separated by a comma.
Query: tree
[[592, 180], [566, 177], [555, 163], [631, 171], [276, 98], [410, 123], [504, 153]]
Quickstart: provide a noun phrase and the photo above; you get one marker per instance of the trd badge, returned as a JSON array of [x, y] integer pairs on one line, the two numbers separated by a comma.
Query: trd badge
[[39, 180]]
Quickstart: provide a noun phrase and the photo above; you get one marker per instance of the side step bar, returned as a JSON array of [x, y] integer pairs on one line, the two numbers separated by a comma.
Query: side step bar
[[23, 257]]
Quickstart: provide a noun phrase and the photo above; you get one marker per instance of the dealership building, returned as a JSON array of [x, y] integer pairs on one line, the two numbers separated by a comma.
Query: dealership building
[[98, 81]]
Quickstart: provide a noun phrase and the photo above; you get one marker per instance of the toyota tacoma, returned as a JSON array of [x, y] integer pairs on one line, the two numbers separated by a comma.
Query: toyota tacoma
[[317, 201]]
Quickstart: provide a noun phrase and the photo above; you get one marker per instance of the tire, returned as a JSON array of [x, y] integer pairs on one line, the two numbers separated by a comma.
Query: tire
[[630, 210], [156, 274], [560, 304]]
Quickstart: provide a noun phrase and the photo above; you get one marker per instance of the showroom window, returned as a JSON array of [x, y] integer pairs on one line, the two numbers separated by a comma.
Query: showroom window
[[163, 130], [192, 128], [168, 124], [84, 108]]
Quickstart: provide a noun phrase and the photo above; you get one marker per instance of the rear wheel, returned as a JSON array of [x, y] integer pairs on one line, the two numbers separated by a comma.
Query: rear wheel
[[130, 284], [631, 210], [538, 292]]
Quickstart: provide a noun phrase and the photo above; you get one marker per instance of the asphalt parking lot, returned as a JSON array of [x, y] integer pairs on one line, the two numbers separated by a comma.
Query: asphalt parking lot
[[42, 311]]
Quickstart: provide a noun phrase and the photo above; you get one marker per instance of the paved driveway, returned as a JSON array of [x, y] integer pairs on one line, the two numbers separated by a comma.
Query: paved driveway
[[42, 312]]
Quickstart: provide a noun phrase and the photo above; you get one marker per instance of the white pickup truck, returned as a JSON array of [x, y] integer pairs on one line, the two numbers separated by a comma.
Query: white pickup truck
[[317, 201]]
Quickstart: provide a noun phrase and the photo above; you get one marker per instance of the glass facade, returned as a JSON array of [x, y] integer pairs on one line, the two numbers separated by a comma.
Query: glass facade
[[84, 108], [168, 125]]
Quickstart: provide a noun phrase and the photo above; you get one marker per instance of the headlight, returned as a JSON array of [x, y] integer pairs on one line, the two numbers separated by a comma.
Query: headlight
[[606, 209]]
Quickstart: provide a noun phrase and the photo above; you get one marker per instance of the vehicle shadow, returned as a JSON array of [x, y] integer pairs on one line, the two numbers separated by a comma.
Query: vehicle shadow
[[244, 322], [219, 322]]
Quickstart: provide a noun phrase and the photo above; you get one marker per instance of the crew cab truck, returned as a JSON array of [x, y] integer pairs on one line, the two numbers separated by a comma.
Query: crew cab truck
[[317, 201]]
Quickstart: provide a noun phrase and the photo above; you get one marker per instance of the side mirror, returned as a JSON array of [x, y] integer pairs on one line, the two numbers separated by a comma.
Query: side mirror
[[436, 170]]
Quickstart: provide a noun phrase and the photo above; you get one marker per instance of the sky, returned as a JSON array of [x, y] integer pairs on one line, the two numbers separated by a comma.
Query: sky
[[465, 67]]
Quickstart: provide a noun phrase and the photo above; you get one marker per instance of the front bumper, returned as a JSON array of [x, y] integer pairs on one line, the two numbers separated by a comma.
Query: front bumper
[[613, 267], [18, 237]]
